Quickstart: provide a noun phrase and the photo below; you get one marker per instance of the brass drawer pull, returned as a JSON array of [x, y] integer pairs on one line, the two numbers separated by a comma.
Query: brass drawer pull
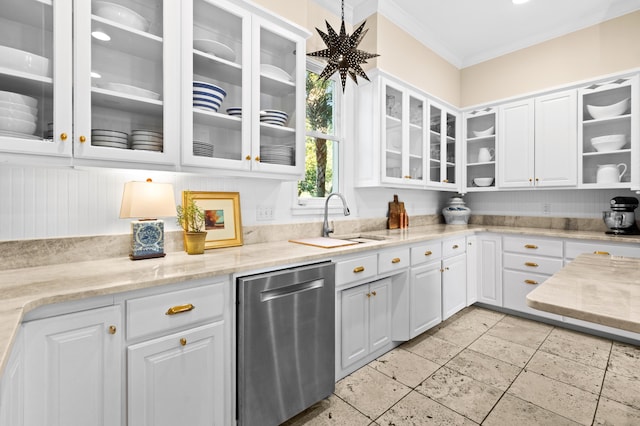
[[530, 246], [532, 264], [530, 282], [428, 253], [395, 260], [358, 269], [605, 253], [180, 309], [455, 246]]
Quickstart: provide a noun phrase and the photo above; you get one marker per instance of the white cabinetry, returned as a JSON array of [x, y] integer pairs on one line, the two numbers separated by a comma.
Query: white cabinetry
[[443, 147], [12, 386], [454, 285], [537, 142], [73, 369], [480, 148], [488, 264], [614, 131], [425, 287]]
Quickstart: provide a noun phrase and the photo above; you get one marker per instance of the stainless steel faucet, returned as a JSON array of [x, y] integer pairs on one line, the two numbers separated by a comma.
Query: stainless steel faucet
[[326, 230]]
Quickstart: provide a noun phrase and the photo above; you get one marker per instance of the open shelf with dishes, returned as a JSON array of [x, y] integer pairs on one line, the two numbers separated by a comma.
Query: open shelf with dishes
[[480, 149], [608, 134]]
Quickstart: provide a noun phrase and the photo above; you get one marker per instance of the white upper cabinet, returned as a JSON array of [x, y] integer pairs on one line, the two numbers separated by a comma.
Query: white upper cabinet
[[480, 149], [35, 58], [608, 134], [243, 104], [537, 142], [443, 147]]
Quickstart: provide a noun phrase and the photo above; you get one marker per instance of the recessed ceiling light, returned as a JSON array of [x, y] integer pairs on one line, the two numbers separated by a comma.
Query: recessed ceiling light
[[519, 1], [100, 35]]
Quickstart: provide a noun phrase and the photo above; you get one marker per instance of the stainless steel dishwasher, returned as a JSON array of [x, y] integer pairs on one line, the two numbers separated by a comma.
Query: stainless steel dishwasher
[[286, 340]]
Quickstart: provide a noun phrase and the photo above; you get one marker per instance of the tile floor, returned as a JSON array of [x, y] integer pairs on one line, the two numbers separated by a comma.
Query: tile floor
[[485, 367]]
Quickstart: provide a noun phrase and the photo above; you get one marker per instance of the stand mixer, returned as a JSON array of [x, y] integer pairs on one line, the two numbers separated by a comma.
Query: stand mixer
[[621, 219]]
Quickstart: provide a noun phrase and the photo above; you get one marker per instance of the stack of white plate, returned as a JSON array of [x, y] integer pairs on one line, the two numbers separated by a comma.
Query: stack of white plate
[[109, 138], [207, 96], [203, 148], [274, 116], [277, 154], [18, 114], [235, 111], [147, 140]]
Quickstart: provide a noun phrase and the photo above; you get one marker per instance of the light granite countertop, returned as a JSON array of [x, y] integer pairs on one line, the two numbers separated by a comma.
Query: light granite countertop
[[601, 289], [24, 289]]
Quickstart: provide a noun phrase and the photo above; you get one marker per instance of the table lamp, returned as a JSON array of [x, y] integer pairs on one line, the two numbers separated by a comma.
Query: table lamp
[[147, 201]]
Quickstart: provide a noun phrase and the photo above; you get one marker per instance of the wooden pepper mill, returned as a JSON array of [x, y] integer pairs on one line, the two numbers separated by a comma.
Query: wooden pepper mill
[[398, 217]]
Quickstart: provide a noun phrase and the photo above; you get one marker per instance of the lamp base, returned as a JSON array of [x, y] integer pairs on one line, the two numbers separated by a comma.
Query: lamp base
[[147, 239], [146, 256]]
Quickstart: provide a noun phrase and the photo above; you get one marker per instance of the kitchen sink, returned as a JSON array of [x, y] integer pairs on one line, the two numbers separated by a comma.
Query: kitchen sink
[[362, 238]]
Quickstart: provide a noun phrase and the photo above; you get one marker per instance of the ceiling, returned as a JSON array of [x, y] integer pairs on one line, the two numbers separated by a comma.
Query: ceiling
[[466, 32]]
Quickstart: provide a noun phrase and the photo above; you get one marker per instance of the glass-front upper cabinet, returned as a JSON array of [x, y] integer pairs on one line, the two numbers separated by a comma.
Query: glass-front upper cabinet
[[36, 77], [403, 136], [608, 134], [480, 149], [126, 93], [443, 146]]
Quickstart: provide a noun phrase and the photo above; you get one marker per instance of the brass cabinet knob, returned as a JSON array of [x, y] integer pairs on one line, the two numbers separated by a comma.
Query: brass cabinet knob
[[183, 341], [112, 329], [446, 269], [530, 180], [180, 309], [358, 269], [248, 157], [257, 158], [445, 180], [407, 177], [537, 180], [368, 295], [374, 293], [63, 136], [395, 260], [441, 269], [82, 139]]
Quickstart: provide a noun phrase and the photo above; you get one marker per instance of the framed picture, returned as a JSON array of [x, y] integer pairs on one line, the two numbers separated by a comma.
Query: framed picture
[[221, 216]]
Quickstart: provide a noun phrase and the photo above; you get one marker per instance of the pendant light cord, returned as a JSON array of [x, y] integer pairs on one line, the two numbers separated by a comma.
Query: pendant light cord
[[342, 10]]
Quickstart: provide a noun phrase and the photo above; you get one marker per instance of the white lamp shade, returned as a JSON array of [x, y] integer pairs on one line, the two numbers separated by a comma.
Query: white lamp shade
[[147, 200]]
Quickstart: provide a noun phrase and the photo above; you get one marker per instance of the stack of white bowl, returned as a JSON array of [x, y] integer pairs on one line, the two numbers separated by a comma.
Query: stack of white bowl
[[207, 96], [203, 148], [18, 114], [109, 138], [147, 140], [274, 116], [277, 154]]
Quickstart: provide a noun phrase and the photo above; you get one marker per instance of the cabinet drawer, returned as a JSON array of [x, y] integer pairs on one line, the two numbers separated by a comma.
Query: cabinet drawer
[[427, 252], [533, 264], [356, 269], [534, 246], [390, 260], [575, 248], [177, 309], [454, 246], [516, 287]]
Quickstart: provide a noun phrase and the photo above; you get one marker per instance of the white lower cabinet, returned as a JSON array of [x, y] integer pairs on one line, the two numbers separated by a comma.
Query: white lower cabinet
[[11, 387], [72, 369], [488, 269], [178, 379], [366, 320], [426, 297], [454, 285]]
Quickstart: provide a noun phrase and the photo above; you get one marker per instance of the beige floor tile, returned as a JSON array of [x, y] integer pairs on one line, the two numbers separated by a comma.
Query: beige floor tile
[[485, 314], [612, 413], [521, 331], [460, 393], [484, 368], [330, 411], [503, 350], [623, 389], [625, 360], [514, 411], [416, 409], [370, 391], [404, 366], [560, 398], [460, 332], [434, 349], [567, 371], [579, 347]]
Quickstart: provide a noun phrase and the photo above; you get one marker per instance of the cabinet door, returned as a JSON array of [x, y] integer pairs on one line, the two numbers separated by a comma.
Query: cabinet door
[[426, 297], [556, 147], [38, 89], [488, 265], [178, 379], [355, 324], [516, 287], [379, 314], [73, 369], [443, 146], [454, 285], [516, 144], [12, 387]]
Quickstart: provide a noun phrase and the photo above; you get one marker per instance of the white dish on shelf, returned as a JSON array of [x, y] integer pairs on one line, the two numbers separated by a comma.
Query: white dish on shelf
[[19, 107], [609, 142], [104, 132], [208, 102], [608, 111], [147, 132], [17, 125], [19, 60], [109, 139], [120, 14], [129, 90], [19, 135], [483, 181], [214, 48], [146, 139], [109, 144], [481, 133], [205, 107], [274, 72], [17, 98], [14, 113]]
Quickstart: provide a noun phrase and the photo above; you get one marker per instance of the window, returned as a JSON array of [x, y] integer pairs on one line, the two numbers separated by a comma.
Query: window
[[323, 137]]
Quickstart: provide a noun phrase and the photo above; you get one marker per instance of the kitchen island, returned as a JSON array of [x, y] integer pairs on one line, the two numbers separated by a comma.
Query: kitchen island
[[600, 289]]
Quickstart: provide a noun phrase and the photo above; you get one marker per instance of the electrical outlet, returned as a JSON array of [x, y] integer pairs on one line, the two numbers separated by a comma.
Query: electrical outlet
[[546, 209], [264, 213]]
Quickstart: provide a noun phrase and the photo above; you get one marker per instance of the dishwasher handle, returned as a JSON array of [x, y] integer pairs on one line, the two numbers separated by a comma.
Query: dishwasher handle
[[291, 290]]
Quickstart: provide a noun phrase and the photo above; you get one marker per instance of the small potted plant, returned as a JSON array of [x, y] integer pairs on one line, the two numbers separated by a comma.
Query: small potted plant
[[191, 218]]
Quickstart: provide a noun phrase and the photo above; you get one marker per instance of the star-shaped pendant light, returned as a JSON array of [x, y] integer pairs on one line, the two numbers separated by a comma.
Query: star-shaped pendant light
[[342, 53]]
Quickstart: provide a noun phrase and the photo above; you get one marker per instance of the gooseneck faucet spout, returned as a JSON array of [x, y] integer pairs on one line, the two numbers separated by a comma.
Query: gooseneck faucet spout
[[326, 230]]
